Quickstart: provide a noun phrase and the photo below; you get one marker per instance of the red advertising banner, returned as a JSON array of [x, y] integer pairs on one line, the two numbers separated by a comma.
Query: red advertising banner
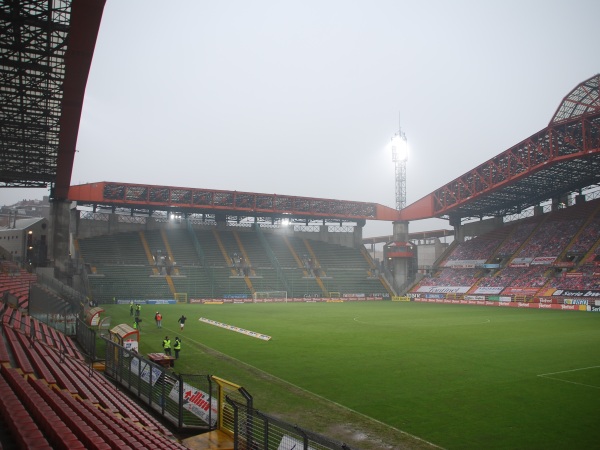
[[507, 304]]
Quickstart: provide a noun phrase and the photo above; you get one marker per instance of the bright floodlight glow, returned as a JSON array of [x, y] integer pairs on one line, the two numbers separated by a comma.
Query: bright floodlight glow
[[399, 148], [285, 222]]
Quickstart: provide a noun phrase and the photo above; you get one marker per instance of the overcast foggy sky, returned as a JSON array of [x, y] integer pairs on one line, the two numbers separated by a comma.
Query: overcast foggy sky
[[302, 98]]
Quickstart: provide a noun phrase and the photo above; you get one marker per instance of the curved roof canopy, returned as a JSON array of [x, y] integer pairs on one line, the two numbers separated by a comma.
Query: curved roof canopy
[[46, 52], [230, 205], [561, 159], [582, 100]]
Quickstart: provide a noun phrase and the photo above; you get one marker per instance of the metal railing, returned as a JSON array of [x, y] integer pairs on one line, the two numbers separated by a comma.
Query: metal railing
[[186, 401], [257, 430]]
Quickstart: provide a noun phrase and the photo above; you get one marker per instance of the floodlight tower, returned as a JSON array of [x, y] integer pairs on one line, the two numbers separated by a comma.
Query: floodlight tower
[[399, 253], [399, 157]]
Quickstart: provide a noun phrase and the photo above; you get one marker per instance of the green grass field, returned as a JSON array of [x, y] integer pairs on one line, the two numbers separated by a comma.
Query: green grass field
[[460, 377]]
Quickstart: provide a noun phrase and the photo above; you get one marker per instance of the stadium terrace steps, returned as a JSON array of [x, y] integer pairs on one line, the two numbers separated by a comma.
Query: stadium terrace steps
[[218, 278], [21, 424], [254, 249], [572, 230], [57, 432], [126, 281], [15, 283], [182, 248], [52, 401], [214, 440]]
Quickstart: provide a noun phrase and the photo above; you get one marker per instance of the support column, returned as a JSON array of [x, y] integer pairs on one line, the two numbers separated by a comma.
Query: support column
[[58, 244], [357, 234], [400, 266]]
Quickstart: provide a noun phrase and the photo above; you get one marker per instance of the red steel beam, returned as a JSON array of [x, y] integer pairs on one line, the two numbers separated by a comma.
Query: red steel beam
[[192, 200], [552, 145], [84, 24]]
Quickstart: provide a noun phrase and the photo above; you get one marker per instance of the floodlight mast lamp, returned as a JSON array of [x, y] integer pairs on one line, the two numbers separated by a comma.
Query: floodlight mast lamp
[[399, 157]]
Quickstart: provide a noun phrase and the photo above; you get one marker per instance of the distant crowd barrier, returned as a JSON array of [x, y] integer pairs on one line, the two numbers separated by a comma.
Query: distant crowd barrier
[[557, 303]]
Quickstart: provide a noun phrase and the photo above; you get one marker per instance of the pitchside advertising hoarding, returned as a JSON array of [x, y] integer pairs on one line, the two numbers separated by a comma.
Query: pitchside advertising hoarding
[[197, 402], [161, 301], [444, 289], [143, 370], [292, 443], [570, 305], [309, 299], [506, 302], [579, 293]]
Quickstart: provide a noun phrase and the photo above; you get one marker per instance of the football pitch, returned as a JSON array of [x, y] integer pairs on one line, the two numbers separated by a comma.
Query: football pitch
[[460, 377]]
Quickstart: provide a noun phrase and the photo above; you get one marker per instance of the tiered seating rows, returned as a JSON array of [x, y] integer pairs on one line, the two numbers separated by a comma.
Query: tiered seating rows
[[17, 284], [474, 249], [215, 279], [58, 433], [551, 236], [22, 426], [550, 239], [79, 424]]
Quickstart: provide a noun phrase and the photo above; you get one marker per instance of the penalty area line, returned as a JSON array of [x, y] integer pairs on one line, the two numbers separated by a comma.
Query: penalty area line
[[567, 371], [548, 375]]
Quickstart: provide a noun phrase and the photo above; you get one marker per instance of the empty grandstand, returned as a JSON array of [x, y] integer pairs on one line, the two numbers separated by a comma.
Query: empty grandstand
[[231, 263], [525, 224]]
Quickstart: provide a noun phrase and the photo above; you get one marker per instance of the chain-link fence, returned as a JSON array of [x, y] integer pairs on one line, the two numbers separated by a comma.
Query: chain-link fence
[[186, 401], [86, 338], [206, 403], [255, 430]]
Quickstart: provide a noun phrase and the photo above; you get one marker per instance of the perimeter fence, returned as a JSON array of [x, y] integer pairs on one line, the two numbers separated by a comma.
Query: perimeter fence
[[186, 401], [204, 403], [257, 430]]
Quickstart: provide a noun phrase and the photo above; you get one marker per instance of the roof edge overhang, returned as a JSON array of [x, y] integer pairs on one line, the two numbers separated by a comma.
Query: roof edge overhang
[[211, 201], [86, 16], [516, 164]]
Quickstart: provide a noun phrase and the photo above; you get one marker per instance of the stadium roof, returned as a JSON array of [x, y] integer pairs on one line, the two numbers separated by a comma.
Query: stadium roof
[[47, 48], [581, 101], [231, 205], [561, 159]]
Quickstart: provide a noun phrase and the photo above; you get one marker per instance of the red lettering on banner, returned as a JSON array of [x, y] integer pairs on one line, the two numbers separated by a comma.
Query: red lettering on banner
[[197, 399]]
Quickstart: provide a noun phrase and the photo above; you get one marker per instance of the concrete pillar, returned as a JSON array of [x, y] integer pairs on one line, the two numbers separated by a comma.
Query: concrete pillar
[[58, 240], [357, 235], [113, 223], [400, 266]]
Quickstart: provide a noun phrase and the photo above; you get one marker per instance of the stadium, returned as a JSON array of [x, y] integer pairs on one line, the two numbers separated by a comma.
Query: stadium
[[295, 332]]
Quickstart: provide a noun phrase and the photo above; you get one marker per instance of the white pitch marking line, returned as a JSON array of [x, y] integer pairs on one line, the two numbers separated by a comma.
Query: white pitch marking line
[[566, 371], [360, 321], [547, 375], [572, 382]]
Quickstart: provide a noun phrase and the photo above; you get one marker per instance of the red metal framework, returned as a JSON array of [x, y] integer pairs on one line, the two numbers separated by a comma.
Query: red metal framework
[[558, 160], [582, 100], [150, 198], [46, 48]]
